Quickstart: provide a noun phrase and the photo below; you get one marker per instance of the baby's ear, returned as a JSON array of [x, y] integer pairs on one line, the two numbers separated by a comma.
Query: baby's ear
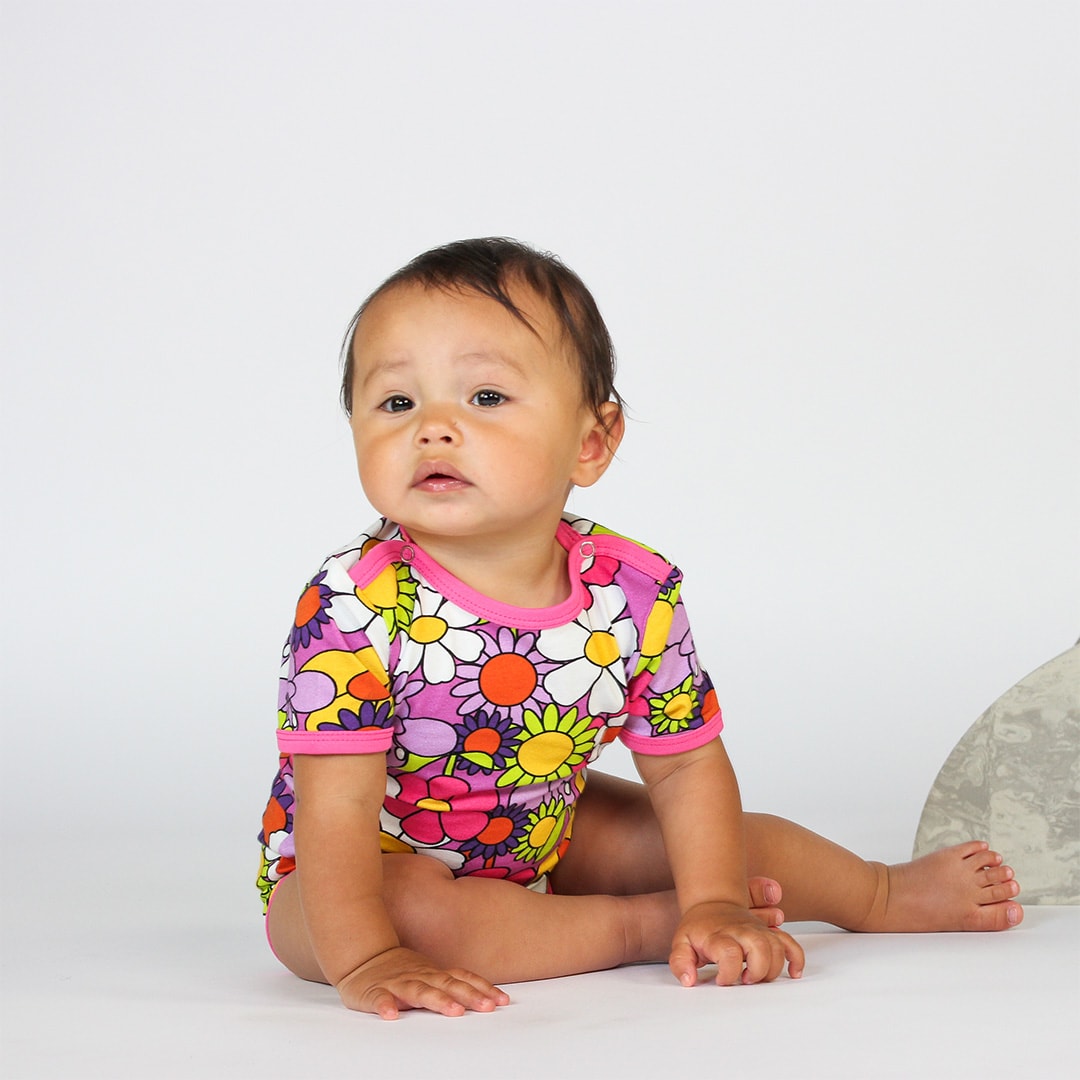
[[601, 440]]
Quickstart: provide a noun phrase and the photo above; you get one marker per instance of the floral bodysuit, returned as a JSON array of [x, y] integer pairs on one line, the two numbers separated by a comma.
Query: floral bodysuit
[[488, 714]]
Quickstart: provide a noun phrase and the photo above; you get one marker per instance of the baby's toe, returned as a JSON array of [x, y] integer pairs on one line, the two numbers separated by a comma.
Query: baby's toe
[[997, 916], [995, 894], [995, 875]]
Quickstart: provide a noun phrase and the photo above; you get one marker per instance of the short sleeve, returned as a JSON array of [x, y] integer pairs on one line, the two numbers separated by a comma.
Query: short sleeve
[[671, 703], [334, 691]]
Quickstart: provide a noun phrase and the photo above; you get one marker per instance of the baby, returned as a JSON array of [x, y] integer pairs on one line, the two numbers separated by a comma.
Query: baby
[[454, 672]]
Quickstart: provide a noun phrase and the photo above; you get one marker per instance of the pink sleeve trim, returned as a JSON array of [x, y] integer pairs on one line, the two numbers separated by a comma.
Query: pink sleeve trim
[[332, 742], [658, 745]]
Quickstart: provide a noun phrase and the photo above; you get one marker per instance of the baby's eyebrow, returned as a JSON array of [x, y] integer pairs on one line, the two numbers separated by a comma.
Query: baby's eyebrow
[[382, 367], [491, 357], [393, 364]]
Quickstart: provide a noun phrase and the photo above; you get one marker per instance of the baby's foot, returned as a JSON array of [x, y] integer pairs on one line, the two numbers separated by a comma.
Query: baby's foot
[[966, 887]]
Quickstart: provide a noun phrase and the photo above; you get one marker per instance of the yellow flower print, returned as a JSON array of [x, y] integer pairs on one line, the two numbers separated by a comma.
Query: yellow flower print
[[393, 845], [655, 638], [391, 594], [336, 680], [544, 829], [676, 710], [551, 747], [345, 667], [380, 593]]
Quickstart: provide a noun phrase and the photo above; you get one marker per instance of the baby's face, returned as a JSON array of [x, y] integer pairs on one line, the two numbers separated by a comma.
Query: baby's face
[[467, 425]]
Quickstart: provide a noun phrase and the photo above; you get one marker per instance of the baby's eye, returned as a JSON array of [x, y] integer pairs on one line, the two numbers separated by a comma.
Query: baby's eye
[[397, 403], [488, 398]]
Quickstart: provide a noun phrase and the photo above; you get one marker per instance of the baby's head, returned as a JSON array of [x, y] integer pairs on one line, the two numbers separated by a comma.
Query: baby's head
[[491, 267]]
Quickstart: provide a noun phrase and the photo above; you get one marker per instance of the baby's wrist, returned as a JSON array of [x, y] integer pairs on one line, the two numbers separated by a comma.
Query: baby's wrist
[[359, 969], [343, 968]]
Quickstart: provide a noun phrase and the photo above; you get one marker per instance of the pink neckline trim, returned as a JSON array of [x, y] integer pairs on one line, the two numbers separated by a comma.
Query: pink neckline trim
[[472, 601]]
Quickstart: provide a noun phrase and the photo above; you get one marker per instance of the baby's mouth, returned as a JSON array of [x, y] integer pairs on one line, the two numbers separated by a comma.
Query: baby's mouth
[[438, 476]]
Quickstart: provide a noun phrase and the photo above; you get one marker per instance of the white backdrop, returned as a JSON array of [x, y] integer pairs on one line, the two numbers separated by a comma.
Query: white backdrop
[[836, 244]]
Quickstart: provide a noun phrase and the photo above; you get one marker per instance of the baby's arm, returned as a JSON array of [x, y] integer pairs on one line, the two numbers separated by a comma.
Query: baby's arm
[[336, 828], [696, 799]]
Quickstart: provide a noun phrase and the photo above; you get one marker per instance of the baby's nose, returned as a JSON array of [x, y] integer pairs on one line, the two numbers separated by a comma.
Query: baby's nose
[[437, 425]]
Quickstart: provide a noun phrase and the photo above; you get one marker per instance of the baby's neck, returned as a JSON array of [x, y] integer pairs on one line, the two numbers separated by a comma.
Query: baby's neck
[[526, 575]]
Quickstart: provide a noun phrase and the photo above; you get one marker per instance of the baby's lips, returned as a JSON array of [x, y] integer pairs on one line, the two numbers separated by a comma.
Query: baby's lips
[[427, 469]]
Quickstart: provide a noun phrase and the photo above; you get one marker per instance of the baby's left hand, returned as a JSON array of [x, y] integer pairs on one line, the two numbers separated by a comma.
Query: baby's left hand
[[741, 947]]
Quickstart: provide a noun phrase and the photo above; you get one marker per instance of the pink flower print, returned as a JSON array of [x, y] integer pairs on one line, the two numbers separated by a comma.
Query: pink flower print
[[504, 873], [602, 571], [442, 808]]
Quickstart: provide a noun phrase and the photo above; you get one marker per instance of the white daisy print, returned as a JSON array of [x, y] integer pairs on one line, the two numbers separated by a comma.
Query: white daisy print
[[593, 651], [437, 637]]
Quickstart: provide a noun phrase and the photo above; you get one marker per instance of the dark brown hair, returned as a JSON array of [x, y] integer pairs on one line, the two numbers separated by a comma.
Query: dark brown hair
[[487, 266]]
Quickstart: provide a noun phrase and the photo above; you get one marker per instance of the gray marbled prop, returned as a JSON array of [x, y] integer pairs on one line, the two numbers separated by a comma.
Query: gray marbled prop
[[1014, 780]]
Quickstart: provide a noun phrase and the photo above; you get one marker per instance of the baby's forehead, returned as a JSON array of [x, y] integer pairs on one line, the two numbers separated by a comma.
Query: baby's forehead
[[523, 302], [393, 309]]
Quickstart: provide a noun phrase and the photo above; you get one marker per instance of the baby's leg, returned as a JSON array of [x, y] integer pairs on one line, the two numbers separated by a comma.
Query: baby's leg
[[617, 847], [966, 887], [498, 929]]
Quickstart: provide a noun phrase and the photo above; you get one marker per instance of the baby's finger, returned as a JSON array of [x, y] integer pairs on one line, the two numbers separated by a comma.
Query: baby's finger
[[729, 956], [421, 994], [764, 958], [683, 962], [384, 1004], [475, 992], [793, 953]]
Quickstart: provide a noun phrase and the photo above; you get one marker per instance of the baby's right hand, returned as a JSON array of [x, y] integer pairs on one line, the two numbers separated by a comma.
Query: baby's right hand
[[402, 979]]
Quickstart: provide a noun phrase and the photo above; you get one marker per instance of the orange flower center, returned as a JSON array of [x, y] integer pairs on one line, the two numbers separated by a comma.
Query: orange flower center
[[507, 679]]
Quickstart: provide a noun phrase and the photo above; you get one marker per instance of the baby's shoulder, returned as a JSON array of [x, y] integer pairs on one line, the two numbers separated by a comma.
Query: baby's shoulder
[[364, 556], [634, 559]]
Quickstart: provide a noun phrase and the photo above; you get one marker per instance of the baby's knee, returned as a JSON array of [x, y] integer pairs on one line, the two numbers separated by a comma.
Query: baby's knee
[[759, 829], [407, 873], [287, 933], [420, 898]]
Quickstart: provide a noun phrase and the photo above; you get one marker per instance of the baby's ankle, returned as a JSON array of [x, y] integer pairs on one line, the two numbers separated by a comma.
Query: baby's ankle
[[633, 932], [877, 912]]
